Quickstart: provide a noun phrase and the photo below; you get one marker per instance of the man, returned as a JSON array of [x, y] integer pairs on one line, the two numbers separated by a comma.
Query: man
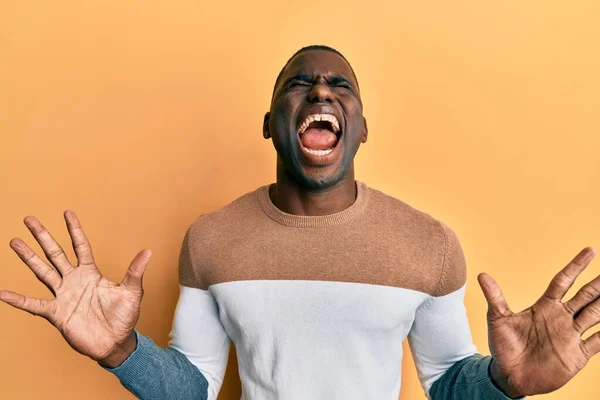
[[317, 279]]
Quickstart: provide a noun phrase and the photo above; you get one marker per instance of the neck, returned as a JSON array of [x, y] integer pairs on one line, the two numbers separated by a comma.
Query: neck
[[290, 197]]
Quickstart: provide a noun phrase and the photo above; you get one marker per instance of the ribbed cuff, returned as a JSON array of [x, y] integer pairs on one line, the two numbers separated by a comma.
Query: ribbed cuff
[[487, 385], [468, 379], [133, 365], [153, 373]]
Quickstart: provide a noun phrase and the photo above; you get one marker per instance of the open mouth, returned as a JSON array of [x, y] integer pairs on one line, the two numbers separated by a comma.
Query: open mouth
[[319, 134]]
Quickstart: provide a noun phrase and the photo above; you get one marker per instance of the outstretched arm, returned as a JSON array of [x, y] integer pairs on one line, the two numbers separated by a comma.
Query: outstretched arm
[[449, 367], [540, 349], [194, 363], [94, 315], [154, 373], [97, 318], [535, 351]]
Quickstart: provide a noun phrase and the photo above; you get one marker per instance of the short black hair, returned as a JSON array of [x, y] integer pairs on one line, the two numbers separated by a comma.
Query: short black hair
[[308, 48]]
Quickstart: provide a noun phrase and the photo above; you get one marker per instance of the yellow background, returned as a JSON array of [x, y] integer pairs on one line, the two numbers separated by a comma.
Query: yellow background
[[141, 115]]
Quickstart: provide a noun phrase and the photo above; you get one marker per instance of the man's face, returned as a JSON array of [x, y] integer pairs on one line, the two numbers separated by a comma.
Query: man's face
[[316, 119]]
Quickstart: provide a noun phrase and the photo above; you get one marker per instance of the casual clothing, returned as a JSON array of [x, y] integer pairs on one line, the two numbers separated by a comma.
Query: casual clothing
[[317, 306]]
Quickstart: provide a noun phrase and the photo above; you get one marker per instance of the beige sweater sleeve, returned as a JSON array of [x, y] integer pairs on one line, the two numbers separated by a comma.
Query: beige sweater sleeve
[[454, 271]]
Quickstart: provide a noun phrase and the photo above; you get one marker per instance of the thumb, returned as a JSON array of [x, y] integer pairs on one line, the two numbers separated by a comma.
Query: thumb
[[135, 272], [497, 305]]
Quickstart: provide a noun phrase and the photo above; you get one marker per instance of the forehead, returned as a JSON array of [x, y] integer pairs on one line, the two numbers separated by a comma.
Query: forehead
[[318, 62]]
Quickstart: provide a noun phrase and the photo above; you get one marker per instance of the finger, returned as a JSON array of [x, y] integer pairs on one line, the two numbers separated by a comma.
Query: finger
[[135, 272], [586, 295], [53, 251], [81, 245], [44, 272], [38, 307], [591, 345], [497, 305], [563, 281], [588, 317]]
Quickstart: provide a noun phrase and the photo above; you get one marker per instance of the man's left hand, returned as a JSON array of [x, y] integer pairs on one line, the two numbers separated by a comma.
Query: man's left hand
[[540, 349]]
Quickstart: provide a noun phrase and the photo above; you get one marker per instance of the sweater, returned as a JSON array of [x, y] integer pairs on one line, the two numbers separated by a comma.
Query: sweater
[[316, 306]]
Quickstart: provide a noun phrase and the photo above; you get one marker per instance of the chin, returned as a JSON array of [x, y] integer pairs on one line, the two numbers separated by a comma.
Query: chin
[[314, 177], [322, 180]]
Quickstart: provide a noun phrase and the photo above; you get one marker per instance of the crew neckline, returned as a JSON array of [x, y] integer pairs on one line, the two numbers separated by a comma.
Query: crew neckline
[[313, 221]]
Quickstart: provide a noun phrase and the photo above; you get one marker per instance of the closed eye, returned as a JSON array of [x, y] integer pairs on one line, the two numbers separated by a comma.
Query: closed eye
[[296, 83], [298, 80], [338, 81], [344, 84]]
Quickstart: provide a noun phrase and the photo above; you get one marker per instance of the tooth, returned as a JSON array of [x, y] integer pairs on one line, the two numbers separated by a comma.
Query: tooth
[[318, 152], [320, 117], [304, 125]]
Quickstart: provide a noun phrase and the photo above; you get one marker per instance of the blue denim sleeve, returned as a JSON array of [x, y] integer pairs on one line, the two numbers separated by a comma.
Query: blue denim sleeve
[[154, 373], [468, 379]]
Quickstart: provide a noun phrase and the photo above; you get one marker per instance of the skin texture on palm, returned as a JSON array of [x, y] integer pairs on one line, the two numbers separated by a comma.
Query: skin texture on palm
[[94, 315], [540, 349], [535, 351]]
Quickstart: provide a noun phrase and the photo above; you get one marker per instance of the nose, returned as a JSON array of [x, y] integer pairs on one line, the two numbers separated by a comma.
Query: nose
[[320, 93]]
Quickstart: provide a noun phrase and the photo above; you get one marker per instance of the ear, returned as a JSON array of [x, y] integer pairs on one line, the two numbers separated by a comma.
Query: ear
[[266, 133], [365, 133]]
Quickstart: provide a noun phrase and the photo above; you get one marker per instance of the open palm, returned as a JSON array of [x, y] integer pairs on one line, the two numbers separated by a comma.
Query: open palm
[[95, 316], [540, 349]]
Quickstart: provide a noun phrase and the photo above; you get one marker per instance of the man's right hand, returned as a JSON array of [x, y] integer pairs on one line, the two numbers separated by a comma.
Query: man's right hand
[[97, 317]]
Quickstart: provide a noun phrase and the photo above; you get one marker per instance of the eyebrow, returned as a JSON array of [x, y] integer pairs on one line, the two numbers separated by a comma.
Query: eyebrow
[[335, 79]]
